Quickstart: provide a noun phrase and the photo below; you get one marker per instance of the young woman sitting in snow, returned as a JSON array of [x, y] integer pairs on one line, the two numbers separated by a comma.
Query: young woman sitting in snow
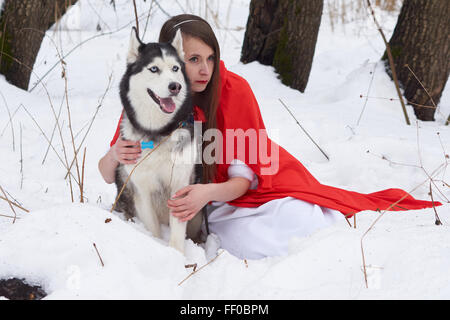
[[255, 206]]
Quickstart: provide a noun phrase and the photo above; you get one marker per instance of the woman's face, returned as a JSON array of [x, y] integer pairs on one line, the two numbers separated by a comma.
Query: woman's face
[[199, 59]]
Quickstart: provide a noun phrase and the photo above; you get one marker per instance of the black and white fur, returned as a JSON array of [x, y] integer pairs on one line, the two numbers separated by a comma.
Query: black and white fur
[[165, 171]]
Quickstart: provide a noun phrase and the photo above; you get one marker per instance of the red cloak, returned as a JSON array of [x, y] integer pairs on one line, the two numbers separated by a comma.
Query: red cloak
[[238, 109]]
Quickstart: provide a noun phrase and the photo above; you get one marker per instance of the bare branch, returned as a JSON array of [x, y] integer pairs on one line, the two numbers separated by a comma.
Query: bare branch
[[79, 45], [195, 271], [101, 260], [326, 156], [21, 158], [92, 121], [391, 63], [436, 171], [136, 16], [14, 204], [367, 95], [437, 219], [9, 202], [54, 128], [10, 120]]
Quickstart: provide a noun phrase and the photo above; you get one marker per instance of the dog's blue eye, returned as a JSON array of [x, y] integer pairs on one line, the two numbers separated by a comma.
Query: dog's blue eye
[[153, 69], [175, 68]]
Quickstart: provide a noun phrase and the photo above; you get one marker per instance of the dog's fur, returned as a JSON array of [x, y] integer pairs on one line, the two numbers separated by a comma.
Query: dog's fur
[[165, 171]]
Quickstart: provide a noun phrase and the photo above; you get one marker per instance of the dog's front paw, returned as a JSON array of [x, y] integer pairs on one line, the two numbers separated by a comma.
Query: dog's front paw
[[177, 244], [177, 233]]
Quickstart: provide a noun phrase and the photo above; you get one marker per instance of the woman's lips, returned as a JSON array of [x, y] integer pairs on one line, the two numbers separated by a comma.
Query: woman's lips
[[202, 81]]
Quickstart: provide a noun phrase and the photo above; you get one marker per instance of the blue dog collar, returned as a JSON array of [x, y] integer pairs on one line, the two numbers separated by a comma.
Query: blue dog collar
[[150, 145], [147, 145]]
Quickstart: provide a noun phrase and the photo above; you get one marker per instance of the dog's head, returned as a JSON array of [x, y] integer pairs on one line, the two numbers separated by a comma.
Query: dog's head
[[155, 86]]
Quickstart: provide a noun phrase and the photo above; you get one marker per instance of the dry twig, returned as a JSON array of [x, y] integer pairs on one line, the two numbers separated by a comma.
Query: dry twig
[[21, 158], [54, 129], [422, 167], [82, 177], [51, 105], [9, 202], [108, 87], [6, 216], [395, 99], [194, 272], [437, 220], [391, 62], [285, 106], [136, 16], [430, 179], [45, 136], [148, 18], [10, 120], [70, 128], [14, 204], [79, 45], [193, 266], [101, 260], [384, 211], [367, 96], [425, 89]]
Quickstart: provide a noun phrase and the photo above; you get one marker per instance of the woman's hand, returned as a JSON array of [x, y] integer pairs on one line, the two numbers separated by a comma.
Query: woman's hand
[[126, 151], [188, 201], [192, 198]]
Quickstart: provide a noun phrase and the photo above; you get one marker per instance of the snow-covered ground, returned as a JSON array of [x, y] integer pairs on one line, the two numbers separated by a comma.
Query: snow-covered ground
[[370, 147]]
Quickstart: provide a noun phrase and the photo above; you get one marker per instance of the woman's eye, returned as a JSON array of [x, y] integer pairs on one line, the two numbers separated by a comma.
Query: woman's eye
[[153, 69], [193, 59], [175, 68]]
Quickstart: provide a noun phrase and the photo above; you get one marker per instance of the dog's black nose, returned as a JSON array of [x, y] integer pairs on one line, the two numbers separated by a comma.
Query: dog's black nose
[[174, 87]]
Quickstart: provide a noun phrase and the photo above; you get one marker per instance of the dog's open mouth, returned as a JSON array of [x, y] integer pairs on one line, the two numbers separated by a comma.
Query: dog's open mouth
[[166, 104]]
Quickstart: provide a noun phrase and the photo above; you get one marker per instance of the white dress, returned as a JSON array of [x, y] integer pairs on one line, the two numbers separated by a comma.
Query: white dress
[[255, 233]]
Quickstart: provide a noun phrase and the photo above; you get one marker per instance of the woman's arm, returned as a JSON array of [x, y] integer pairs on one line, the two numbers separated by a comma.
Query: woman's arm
[[125, 152], [192, 198], [229, 190], [107, 166]]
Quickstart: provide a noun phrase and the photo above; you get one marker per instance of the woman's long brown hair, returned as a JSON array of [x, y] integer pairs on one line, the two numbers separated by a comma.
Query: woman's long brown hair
[[208, 100]]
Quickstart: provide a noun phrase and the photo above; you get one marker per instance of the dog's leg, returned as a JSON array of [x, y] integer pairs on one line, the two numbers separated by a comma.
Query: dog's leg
[[125, 203], [146, 214], [177, 233], [183, 167], [180, 179]]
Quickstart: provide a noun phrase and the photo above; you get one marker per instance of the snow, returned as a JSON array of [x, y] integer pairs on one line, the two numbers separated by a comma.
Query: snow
[[406, 254]]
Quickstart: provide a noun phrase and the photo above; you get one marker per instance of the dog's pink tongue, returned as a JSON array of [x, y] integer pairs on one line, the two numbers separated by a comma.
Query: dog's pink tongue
[[167, 104]]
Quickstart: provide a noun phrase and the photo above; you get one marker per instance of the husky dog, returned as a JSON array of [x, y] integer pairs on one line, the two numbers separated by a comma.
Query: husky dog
[[155, 93]]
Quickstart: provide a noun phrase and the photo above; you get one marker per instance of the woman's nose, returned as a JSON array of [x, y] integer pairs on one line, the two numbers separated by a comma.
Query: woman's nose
[[204, 69]]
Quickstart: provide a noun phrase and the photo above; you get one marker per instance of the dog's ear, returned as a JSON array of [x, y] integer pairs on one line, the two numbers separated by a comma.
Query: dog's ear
[[177, 43], [133, 49]]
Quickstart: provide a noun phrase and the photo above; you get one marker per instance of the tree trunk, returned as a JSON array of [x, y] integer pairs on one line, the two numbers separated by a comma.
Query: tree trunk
[[22, 28], [283, 33], [421, 41], [262, 32]]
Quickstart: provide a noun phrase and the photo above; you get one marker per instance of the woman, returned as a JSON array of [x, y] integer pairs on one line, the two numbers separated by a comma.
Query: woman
[[257, 203]]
